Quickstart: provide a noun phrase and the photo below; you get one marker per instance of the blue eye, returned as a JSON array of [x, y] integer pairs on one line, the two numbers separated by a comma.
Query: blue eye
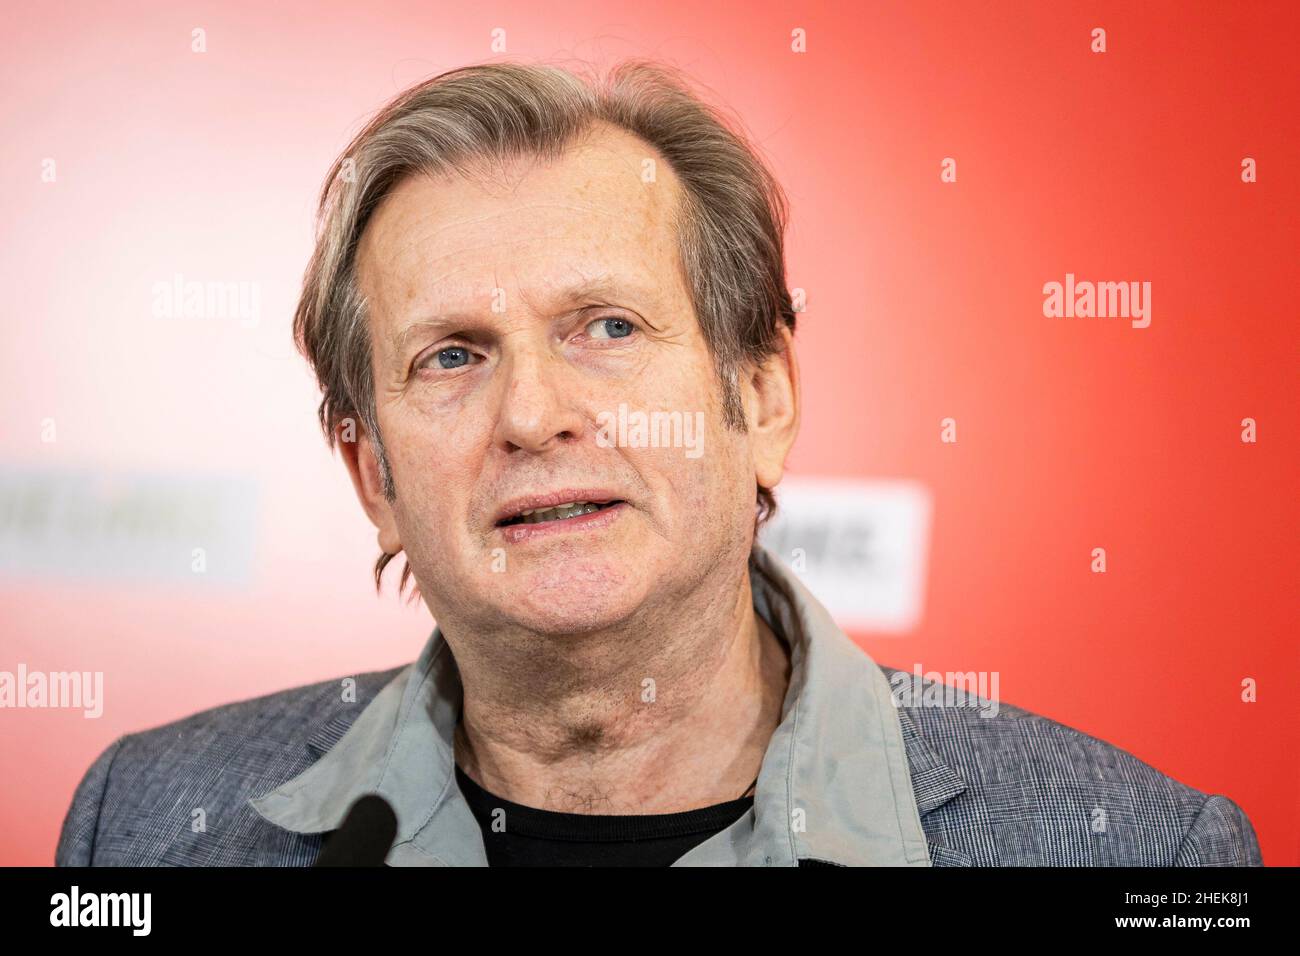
[[614, 328], [453, 357]]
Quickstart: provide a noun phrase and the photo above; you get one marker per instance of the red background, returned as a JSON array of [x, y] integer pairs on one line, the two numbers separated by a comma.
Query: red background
[[924, 302]]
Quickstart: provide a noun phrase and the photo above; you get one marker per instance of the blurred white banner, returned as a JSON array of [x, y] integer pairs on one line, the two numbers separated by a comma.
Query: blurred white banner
[[860, 545]]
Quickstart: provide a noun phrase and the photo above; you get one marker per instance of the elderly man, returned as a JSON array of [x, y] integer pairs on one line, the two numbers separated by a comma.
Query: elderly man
[[509, 259]]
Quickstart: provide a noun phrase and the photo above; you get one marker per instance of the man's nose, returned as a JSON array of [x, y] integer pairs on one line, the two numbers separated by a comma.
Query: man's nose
[[538, 410]]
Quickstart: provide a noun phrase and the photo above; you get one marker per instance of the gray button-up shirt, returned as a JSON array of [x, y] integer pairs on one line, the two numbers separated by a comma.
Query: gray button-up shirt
[[834, 784]]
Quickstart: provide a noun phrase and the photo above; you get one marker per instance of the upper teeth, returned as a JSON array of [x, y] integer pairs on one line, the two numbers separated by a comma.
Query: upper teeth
[[534, 515]]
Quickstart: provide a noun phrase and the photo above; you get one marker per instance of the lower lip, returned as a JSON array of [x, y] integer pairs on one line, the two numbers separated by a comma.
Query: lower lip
[[592, 521]]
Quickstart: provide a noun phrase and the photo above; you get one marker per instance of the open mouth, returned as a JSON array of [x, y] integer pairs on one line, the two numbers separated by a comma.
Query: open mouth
[[572, 509]]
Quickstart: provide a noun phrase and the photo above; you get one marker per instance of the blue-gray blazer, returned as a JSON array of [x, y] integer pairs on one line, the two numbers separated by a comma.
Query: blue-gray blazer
[[1013, 789]]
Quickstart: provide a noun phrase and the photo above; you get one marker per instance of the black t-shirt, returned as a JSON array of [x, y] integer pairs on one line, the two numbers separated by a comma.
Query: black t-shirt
[[527, 836]]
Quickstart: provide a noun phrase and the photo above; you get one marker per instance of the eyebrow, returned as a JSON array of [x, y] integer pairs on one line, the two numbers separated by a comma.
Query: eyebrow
[[601, 287]]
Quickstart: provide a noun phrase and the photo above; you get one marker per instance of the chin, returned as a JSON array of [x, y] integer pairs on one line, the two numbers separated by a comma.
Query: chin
[[571, 604]]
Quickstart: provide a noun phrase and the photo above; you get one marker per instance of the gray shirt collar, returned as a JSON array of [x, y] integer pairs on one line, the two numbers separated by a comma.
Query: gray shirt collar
[[834, 784]]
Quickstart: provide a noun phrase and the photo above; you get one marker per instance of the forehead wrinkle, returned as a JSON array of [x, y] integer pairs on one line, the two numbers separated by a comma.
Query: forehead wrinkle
[[435, 225], [655, 204], [412, 247], [417, 227]]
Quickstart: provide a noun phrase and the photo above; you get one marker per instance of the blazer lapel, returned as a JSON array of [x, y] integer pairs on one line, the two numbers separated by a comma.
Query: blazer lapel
[[286, 848], [934, 783]]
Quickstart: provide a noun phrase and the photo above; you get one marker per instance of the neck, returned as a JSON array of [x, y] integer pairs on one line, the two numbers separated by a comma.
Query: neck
[[667, 713]]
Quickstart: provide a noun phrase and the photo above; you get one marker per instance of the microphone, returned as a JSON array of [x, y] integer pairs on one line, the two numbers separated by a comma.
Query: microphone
[[365, 836]]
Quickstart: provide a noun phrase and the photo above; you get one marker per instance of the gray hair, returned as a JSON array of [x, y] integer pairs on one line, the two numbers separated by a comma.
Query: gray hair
[[730, 222]]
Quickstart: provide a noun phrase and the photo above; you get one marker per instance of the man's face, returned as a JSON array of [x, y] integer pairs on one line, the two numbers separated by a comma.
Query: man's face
[[510, 319]]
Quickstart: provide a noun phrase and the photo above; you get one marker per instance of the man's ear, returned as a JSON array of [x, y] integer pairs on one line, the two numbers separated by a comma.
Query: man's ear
[[772, 407], [358, 453]]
